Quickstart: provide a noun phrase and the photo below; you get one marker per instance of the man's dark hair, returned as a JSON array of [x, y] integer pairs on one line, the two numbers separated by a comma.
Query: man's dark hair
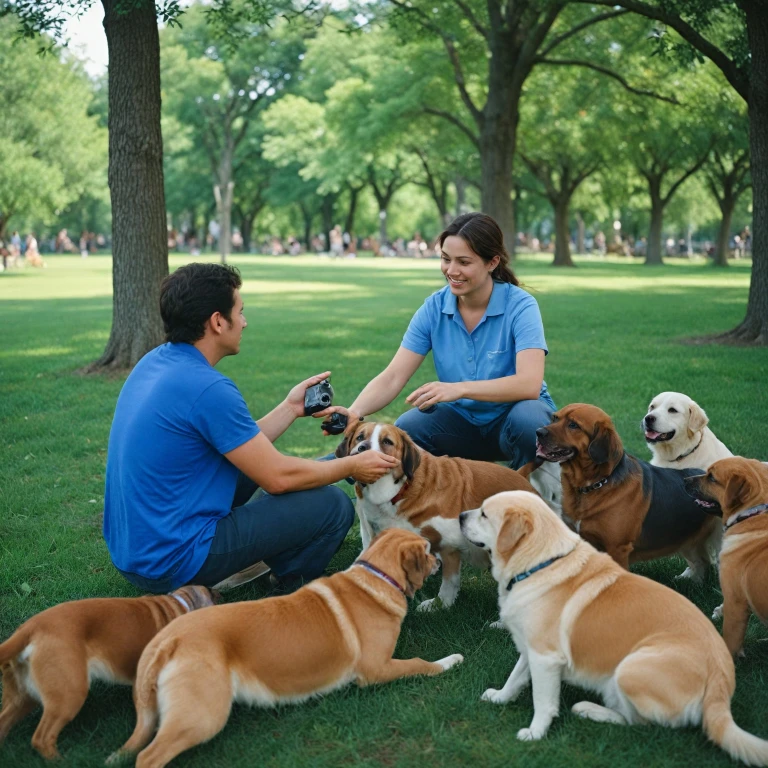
[[190, 295]]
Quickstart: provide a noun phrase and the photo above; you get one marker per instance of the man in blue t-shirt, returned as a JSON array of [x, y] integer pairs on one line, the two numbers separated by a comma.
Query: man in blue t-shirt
[[185, 457]]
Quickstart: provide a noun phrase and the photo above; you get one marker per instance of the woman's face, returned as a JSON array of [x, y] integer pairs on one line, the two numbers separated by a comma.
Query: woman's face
[[464, 270]]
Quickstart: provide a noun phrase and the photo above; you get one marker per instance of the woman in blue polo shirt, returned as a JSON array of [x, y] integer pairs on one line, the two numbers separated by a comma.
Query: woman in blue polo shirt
[[487, 341]]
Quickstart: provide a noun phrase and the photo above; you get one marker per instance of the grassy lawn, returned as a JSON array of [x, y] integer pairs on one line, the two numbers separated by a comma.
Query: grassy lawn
[[614, 330]]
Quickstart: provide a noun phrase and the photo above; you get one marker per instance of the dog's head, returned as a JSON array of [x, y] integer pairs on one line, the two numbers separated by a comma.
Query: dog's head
[[197, 597], [673, 418], [730, 486], [403, 555], [518, 530], [580, 434], [385, 438]]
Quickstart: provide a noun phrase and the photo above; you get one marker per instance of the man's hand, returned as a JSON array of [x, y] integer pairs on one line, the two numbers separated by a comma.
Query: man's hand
[[369, 466], [295, 399], [435, 392], [353, 419]]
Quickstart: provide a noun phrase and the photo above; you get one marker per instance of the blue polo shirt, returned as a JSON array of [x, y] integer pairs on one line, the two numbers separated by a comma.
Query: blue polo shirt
[[167, 482], [511, 324]]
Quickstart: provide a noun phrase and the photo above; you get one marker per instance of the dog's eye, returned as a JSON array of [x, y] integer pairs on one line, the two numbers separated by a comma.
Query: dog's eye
[[387, 441], [360, 437], [572, 425], [651, 407], [482, 514], [672, 410]]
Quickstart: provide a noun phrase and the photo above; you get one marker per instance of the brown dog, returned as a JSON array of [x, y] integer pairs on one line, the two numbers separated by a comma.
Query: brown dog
[[426, 494], [575, 616], [620, 504], [283, 649], [739, 489], [52, 657]]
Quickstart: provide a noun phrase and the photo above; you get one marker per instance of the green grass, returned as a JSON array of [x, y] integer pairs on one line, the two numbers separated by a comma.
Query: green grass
[[614, 330]]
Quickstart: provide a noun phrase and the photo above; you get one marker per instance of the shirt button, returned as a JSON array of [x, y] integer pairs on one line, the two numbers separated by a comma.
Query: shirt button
[[470, 359]]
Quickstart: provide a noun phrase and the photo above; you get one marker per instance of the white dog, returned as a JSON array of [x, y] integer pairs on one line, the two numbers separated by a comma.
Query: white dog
[[577, 616], [676, 431]]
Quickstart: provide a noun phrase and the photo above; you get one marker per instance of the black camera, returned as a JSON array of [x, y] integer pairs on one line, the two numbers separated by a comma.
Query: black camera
[[335, 424], [318, 397]]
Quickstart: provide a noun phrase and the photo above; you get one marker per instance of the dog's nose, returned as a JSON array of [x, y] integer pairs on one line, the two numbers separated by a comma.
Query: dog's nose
[[650, 419], [542, 432]]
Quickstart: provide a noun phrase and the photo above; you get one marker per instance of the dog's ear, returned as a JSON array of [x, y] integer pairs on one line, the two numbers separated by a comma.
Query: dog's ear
[[736, 492], [606, 445], [697, 419], [417, 565], [342, 449], [411, 457], [516, 526]]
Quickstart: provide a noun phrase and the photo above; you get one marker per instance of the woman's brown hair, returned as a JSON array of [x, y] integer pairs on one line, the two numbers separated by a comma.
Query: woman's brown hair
[[484, 236]]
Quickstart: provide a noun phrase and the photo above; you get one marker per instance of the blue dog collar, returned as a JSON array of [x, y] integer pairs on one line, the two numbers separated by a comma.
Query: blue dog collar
[[526, 574]]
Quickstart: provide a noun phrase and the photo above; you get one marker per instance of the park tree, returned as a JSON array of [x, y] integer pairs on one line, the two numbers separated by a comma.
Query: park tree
[[51, 150], [492, 48], [139, 241], [220, 90], [733, 34]]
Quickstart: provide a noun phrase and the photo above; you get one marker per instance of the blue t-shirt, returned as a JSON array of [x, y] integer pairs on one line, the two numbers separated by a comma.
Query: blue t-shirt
[[511, 324], [167, 482]]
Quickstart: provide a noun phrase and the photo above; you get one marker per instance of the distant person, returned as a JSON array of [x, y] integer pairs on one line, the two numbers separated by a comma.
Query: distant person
[[83, 245], [32, 254]]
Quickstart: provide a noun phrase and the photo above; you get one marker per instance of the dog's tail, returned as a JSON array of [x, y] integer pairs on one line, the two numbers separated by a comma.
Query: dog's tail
[[720, 726], [14, 645], [152, 662]]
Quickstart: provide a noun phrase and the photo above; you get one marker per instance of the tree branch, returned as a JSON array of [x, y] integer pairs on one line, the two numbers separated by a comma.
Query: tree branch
[[735, 76], [609, 73], [473, 20], [455, 120], [584, 24]]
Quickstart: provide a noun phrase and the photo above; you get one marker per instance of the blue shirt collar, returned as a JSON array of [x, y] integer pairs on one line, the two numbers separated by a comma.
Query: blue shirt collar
[[495, 305]]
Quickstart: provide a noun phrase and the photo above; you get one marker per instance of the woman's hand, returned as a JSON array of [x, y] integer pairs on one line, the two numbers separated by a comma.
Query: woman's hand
[[435, 392], [369, 466], [295, 399], [353, 419]]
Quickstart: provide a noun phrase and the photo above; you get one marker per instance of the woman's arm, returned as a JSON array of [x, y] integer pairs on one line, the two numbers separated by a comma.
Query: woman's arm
[[524, 385]]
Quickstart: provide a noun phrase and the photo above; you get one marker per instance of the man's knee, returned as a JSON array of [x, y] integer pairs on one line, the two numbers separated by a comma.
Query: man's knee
[[339, 509]]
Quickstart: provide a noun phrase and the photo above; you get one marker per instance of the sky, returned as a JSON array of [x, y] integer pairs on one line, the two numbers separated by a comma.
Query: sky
[[87, 38]]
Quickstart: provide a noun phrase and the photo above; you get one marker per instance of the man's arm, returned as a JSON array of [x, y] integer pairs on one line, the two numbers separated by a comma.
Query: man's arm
[[277, 473]]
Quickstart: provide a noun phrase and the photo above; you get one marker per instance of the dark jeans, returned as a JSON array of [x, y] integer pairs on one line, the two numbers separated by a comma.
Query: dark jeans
[[511, 437], [295, 534]]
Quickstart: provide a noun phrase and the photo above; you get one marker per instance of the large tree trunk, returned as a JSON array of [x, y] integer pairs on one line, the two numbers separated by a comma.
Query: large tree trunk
[[139, 238], [654, 255], [349, 224], [580, 247], [754, 328], [497, 147], [327, 214], [307, 217], [562, 233], [223, 195]]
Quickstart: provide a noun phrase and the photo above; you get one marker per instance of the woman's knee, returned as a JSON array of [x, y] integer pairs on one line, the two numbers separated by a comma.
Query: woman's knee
[[417, 425], [518, 436]]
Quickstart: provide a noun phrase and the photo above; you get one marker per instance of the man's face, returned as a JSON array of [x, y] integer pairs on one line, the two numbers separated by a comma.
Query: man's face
[[230, 337]]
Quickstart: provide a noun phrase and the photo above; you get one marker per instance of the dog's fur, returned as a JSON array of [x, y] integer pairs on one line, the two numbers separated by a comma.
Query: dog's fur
[[651, 654], [677, 434], [52, 657], [734, 486], [283, 649], [429, 492], [639, 512]]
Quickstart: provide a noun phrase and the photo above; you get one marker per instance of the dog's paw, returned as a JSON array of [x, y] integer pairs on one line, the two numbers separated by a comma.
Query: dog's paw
[[528, 734], [495, 696], [497, 625], [433, 604], [717, 613], [450, 661]]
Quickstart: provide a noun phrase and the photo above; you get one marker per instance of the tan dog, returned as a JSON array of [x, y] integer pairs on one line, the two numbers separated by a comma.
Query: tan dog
[[620, 504], [283, 649], [576, 616], [52, 658], [739, 489], [426, 494]]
